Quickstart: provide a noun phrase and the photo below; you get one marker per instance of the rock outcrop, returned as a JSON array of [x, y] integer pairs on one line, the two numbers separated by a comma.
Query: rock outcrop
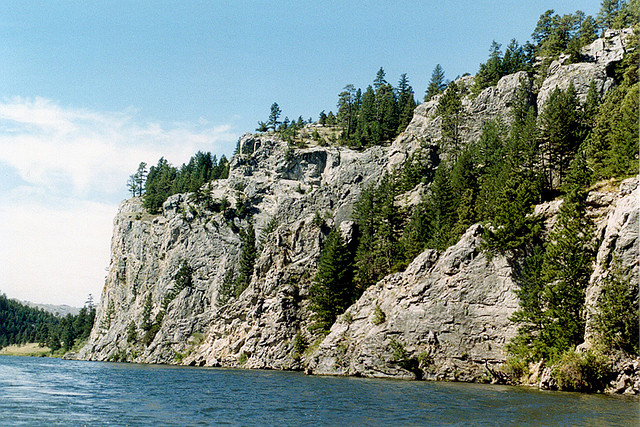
[[619, 248], [599, 58], [301, 192], [447, 316]]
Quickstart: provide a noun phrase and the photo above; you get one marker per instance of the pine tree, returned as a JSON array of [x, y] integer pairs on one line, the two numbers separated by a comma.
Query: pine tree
[[347, 109], [491, 71], [146, 313], [567, 266], [332, 291], [247, 261], [608, 12], [368, 130], [406, 103], [452, 113], [437, 85], [274, 115], [559, 124], [616, 320]]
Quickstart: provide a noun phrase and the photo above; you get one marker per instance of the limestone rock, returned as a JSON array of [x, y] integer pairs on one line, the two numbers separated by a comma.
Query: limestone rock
[[618, 234], [600, 56], [424, 130], [450, 312], [277, 184], [608, 49]]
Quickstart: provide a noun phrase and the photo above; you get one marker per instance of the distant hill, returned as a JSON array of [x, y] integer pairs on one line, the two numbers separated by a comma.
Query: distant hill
[[61, 310]]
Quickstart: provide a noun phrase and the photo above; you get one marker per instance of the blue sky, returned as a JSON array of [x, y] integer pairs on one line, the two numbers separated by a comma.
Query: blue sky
[[89, 89]]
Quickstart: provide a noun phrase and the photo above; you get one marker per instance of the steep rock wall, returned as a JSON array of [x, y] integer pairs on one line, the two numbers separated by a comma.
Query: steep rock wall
[[449, 312]]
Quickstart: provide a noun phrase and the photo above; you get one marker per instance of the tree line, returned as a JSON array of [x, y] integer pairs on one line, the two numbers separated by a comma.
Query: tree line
[[21, 324], [164, 180]]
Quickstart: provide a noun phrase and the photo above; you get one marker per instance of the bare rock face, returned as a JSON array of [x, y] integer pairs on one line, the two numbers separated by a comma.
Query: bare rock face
[[618, 234], [424, 131], [445, 317], [289, 188], [608, 49], [599, 58]]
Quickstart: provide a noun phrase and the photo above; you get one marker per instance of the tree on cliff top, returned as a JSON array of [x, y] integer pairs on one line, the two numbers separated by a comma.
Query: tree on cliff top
[[437, 85]]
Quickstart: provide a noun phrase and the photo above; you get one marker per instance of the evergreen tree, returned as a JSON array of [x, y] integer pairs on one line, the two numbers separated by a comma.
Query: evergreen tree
[[368, 131], [247, 261], [608, 11], [616, 320], [567, 266], [406, 103], [515, 59], [136, 182], [452, 113], [441, 209], [437, 85], [274, 115], [491, 71], [146, 312], [387, 112], [322, 118], [612, 146], [628, 15], [332, 291], [158, 185], [347, 109], [559, 125]]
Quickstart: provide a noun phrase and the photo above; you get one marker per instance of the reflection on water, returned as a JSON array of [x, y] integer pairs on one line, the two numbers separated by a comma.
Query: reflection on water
[[37, 391]]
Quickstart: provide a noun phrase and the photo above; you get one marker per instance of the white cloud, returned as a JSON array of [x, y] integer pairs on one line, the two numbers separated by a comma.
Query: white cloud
[[89, 153], [55, 228]]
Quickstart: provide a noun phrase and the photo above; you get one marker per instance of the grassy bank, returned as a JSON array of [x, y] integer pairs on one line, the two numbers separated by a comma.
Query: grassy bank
[[30, 349]]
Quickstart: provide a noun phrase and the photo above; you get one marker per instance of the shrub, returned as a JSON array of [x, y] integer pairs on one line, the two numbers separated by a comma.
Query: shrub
[[402, 358], [585, 371], [151, 334], [379, 316], [299, 346], [132, 334]]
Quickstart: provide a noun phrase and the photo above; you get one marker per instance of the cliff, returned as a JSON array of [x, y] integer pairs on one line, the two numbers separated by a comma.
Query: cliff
[[447, 316]]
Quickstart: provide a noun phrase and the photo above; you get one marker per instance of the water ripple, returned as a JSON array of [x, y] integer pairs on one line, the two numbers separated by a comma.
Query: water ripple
[[36, 391]]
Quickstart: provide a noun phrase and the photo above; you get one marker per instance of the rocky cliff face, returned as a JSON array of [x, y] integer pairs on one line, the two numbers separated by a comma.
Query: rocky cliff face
[[446, 317], [448, 314]]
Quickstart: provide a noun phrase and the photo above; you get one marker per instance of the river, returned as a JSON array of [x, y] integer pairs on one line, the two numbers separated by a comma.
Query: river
[[44, 391]]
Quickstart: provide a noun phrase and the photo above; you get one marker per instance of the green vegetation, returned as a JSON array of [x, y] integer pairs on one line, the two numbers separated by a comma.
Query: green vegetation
[[236, 281], [20, 324], [164, 180], [497, 180], [374, 116], [587, 371], [332, 290], [299, 346], [403, 359], [379, 317], [617, 316], [437, 85], [516, 58]]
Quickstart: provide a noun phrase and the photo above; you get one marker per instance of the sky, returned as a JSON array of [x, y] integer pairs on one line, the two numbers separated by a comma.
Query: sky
[[90, 89]]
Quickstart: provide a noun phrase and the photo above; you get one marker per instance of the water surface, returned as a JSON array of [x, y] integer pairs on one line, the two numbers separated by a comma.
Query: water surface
[[42, 391]]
